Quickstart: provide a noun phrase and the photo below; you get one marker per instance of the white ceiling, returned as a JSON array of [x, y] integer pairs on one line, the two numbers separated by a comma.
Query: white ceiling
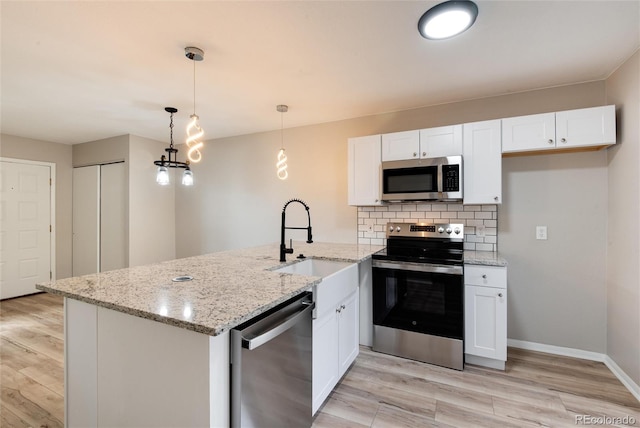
[[77, 71]]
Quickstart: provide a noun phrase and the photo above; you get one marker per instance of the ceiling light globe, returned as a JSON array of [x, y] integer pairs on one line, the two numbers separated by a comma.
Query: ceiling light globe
[[187, 178], [447, 19], [162, 177]]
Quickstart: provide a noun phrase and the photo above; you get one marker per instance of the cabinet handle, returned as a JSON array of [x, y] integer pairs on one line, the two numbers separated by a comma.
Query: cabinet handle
[[342, 306], [424, 153], [338, 310], [376, 200], [484, 276], [499, 294], [415, 154], [550, 141], [563, 140], [495, 198]]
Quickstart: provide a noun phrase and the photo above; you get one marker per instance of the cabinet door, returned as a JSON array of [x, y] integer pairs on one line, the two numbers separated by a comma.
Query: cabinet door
[[364, 170], [482, 162], [441, 141], [348, 332], [485, 322], [401, 145], [325, 357], [586, 127], [527, 133]]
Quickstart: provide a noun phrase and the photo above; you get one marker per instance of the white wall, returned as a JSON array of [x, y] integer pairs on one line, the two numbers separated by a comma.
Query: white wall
[[152, 219], [557, 290], [623, 249]]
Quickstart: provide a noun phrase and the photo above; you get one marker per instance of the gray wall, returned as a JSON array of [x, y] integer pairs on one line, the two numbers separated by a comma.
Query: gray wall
[[623, 249], [237, 202], [60, 154]]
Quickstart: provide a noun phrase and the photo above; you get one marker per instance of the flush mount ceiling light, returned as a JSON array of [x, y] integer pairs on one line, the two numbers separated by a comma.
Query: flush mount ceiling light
[[170, 161], [281, 165], [447, 19], [194, 131]]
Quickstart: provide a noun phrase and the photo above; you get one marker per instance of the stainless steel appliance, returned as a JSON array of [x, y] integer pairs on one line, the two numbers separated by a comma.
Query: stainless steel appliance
[[418, 293], [271, 367], [422, 179]]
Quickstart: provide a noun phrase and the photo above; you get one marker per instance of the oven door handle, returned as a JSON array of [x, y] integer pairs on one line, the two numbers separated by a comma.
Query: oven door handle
[[419, 267]]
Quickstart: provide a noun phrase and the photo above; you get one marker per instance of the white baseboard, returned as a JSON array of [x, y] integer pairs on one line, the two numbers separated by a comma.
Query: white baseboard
[[633, 388]]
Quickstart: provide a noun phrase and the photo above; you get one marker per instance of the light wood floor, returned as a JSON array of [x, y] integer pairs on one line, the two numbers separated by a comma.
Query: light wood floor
[[536, 389]]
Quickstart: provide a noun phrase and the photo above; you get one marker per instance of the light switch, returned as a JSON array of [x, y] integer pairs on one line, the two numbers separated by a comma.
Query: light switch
[[541, 232]]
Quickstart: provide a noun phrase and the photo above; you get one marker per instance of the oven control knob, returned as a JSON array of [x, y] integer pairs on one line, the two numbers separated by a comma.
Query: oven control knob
[[391, 229], [398, 229], [440, 230], [449, 230], [457, 231]]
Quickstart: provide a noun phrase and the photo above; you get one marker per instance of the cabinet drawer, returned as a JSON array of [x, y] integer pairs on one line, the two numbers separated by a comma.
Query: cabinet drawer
[[488, 276]]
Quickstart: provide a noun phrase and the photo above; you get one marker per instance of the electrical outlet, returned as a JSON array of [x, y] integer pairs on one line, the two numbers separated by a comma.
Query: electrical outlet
[[541, 232], [480, 230]]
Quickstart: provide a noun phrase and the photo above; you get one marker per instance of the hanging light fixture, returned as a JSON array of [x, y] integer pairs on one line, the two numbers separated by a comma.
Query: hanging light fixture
[[194, 131], [448, 19], [170, 160], [281, 165]]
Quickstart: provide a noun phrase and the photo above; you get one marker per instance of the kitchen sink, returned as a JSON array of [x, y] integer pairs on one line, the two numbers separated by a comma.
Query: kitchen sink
[[314, 267]]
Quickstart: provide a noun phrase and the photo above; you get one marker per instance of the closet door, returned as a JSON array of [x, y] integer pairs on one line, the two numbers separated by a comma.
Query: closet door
[[113, 217], [86, 220]]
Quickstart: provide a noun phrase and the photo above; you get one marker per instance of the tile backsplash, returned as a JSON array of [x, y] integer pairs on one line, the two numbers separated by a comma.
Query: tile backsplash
[[372, 221]]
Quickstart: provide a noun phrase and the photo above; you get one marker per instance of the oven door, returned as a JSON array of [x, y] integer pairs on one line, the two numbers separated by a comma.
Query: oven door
[[418, 297]]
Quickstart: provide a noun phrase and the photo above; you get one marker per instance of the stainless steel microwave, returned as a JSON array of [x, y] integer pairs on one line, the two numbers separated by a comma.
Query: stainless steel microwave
[[429, 179]]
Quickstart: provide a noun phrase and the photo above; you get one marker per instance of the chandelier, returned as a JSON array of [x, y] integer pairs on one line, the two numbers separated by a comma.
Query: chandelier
[[170, 160], [281, 165], [194, 131]]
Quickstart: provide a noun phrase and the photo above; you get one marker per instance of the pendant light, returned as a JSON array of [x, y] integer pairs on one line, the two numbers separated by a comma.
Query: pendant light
[[281, 165], [194, 131], [170, 160], [447, 19]]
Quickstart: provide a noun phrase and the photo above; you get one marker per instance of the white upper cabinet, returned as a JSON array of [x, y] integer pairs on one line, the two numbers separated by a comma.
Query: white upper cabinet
[[482, 162], [533, 132], [401, 145], [441, 141], [424, 143], [586, 127], [364, 171], [572, 129]]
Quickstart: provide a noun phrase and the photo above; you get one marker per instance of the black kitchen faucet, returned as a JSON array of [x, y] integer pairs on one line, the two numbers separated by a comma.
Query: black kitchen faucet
[[283, 248]]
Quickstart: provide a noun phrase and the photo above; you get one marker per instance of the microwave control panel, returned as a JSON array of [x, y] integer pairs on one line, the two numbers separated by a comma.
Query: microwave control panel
[[450, 178]]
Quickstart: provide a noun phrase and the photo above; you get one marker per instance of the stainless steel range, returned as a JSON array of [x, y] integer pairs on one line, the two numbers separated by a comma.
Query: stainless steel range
[[418, 293]]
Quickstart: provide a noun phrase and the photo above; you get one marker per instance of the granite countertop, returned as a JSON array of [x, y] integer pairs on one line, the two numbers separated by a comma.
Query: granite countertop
[[228, 287], [485, 258]]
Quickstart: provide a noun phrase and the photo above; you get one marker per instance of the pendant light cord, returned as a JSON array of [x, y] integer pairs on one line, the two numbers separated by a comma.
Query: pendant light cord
[[171, 131], [282, 130], [194, 87]]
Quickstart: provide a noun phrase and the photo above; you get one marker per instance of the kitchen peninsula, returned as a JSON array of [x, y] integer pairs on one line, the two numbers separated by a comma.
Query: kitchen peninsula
[[143, 350]]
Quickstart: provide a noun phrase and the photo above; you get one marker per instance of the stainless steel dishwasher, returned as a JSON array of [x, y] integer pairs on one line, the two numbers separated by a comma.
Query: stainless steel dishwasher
[[271, 367]]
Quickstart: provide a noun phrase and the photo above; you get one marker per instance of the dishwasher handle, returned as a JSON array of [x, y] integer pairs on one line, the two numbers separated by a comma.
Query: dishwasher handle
[[271, 334]]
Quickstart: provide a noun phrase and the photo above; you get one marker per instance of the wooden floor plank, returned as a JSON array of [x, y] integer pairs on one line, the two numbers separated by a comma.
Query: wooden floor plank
[[536, 389]]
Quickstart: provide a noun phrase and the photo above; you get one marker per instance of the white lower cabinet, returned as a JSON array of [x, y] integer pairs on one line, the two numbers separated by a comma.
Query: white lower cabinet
[[335, 330], [485, 305]]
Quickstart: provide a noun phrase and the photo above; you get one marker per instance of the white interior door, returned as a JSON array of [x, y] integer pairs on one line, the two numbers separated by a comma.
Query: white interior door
[[25, 230], [86, 220], [113, 217]]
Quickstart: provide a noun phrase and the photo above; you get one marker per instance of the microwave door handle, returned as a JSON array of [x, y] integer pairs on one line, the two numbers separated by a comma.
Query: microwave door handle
[[440, 186]]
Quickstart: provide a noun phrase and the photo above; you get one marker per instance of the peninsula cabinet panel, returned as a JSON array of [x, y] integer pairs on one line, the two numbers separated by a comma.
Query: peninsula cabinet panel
[[364, 171], [482, 162]]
